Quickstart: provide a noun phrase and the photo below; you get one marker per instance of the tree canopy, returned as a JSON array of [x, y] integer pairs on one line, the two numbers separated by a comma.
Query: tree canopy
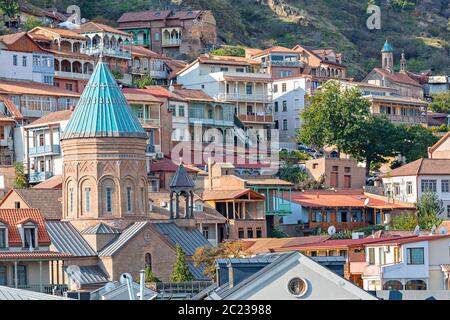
[[429, 207], [441, 102], [181, 272], [20, 179]]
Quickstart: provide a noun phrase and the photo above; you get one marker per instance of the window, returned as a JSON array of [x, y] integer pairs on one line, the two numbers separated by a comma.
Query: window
[[409, 187], [129, 199], [69, 87], [428, 185], [140, 112], [148, 261], [315, 165], [249, 88], [347, 169], [396, 189], [3, 239], [87, 193], [448, 211], [416, 285], [15, 60], [283, 87], [24, 61], [30, 237], [276, 106], [393, 285], [240, 70], [285, 124], [284, 105], [415, 255], [371, 255], [224, 69], [275, 88], [108, 199], [156, 36], [172, 108], [205, 232], [258, 232], [335, 168], [444, 185], [297, 287], [181, 111], [142, 198], [22, 279], [276, 124], [3, 278], [154, 186], [241, 233], [41, 140], [250, 233]]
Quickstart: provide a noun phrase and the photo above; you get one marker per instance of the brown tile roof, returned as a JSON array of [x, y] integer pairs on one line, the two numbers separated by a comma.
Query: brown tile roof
[[34, 88], [193, 94], [13, 216], [134, 94], [275, 49], [162, 92], [421, 167], [149, 15], [10, 39], [411, 239], [143, 52], [52, 117], [48, 201], [231, 60], [400, 100], [266, 245], [397, 77], [245, 78], [76, 55], [230, 194], [11, 107], [99, 27], [65, 33], [167, 165], [11, 255], [439, 142], [268, 181], [54, 182]]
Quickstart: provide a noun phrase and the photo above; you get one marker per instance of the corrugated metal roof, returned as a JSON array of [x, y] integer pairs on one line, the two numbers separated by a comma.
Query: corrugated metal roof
[[127, 234], [197, 272], [101, 228], [103, 110], [181, 179], [89, 275], [66, 238], [188, 239], [7, 293]]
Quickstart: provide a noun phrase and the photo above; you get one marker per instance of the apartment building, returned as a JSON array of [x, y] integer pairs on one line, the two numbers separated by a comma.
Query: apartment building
[[289, 100], [146, 62], [23, 60], [172, 33], [72, 68], [278, 61]]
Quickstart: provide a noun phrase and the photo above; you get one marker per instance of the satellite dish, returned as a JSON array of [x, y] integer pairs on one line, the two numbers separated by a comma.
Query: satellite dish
[[442, 230], [417, 231], [366, 202], [433, 230], [110, 286], [331, 230]]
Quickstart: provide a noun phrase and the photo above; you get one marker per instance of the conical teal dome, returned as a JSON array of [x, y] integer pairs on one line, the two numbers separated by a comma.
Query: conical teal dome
[[387, 47], [102, 110]]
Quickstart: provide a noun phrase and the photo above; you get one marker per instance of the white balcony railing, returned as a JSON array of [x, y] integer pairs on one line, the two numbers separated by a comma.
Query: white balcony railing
[[73, 75], [297, 64], [247, 75], [171, 42], [264, 98], [107, 51]]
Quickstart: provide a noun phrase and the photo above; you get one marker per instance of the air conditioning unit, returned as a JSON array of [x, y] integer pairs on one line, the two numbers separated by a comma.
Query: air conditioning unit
[[159, 155]]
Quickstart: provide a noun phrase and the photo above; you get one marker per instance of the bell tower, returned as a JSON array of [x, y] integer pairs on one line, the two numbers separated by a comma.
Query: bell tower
[[181, 186], [403, 62], [387, 57]]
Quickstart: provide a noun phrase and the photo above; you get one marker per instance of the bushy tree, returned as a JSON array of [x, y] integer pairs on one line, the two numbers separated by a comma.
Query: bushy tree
[[150, 276], [20, 180], [429, 208], [10, 8], [440, 102], [404, 221], [292, 173], [412, 141], [143, 82], [180, 271]]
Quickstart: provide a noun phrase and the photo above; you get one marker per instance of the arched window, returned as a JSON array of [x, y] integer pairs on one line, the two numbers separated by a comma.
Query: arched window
[[416, 285], [129, 196], [394, 285], [87, 192], [148, 261]]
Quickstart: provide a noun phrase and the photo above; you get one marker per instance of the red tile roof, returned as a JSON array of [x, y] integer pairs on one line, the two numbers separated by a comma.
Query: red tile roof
[[421, 167], [34, 88], [54, 182], [23, 255], [149, 15], [52, 118], [96, 27], [144, 52], [65, 33], [11, 107], [412, 239], [275, 49], [167, 165], [193, 94], [161, 92], [397, 77], [133, 95], [13, 217]]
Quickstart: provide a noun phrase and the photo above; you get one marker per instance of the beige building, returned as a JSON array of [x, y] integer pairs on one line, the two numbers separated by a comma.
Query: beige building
[[337, 173]]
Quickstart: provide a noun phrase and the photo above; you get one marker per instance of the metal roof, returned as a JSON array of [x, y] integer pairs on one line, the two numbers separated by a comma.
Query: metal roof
[[7, 293], [127, 234], [197, 272], [103, 110], [188, 239], [101, 228], [90, 275], [181, 179], [387, 47], [66, 238]]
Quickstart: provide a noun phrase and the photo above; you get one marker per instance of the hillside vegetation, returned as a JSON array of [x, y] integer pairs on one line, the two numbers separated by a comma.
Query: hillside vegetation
[[420, 27]]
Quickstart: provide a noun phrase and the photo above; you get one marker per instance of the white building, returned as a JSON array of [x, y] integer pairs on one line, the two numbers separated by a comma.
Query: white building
[[289, 100], [411, 263]]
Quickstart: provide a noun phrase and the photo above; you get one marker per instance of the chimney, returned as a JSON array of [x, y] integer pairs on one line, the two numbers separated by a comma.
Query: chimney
[[141, 284]]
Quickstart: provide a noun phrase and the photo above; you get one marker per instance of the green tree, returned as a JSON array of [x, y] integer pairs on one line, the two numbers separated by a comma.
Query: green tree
[[20, 180], [292, 173], [150, 276], [404, 221], [229, 51], [440, 102], [117, 74], [412, 141], [31, 23], [342, 118], [181, 272], [10, 8], [429, 208], [143, 82]]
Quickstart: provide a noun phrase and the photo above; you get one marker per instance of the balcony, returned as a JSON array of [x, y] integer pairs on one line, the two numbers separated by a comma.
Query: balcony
[[149, 122], [263, 98], [255, 118], [73, 75], [107, 52], [211, 122], [340, 226], [292, 64], [171, 42], [141, 42], [160, 74], [40, 176], [58, 289], [47, 149]]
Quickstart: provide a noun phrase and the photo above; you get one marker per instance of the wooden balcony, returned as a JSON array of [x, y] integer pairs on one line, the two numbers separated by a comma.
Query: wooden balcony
[[340, 226], [255, 118]]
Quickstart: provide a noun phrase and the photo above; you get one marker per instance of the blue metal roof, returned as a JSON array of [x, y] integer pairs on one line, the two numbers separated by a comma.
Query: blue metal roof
[[89, 275], [387, 47], [188, 239], [118, 242], [66, 238], [103, 110], [101, 228]]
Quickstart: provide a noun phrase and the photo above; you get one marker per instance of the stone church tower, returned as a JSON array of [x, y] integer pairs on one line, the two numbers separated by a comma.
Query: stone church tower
[[387, 57], [104, 169]]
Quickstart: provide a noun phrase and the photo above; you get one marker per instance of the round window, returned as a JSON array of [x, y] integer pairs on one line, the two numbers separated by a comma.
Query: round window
[[297, 287]]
